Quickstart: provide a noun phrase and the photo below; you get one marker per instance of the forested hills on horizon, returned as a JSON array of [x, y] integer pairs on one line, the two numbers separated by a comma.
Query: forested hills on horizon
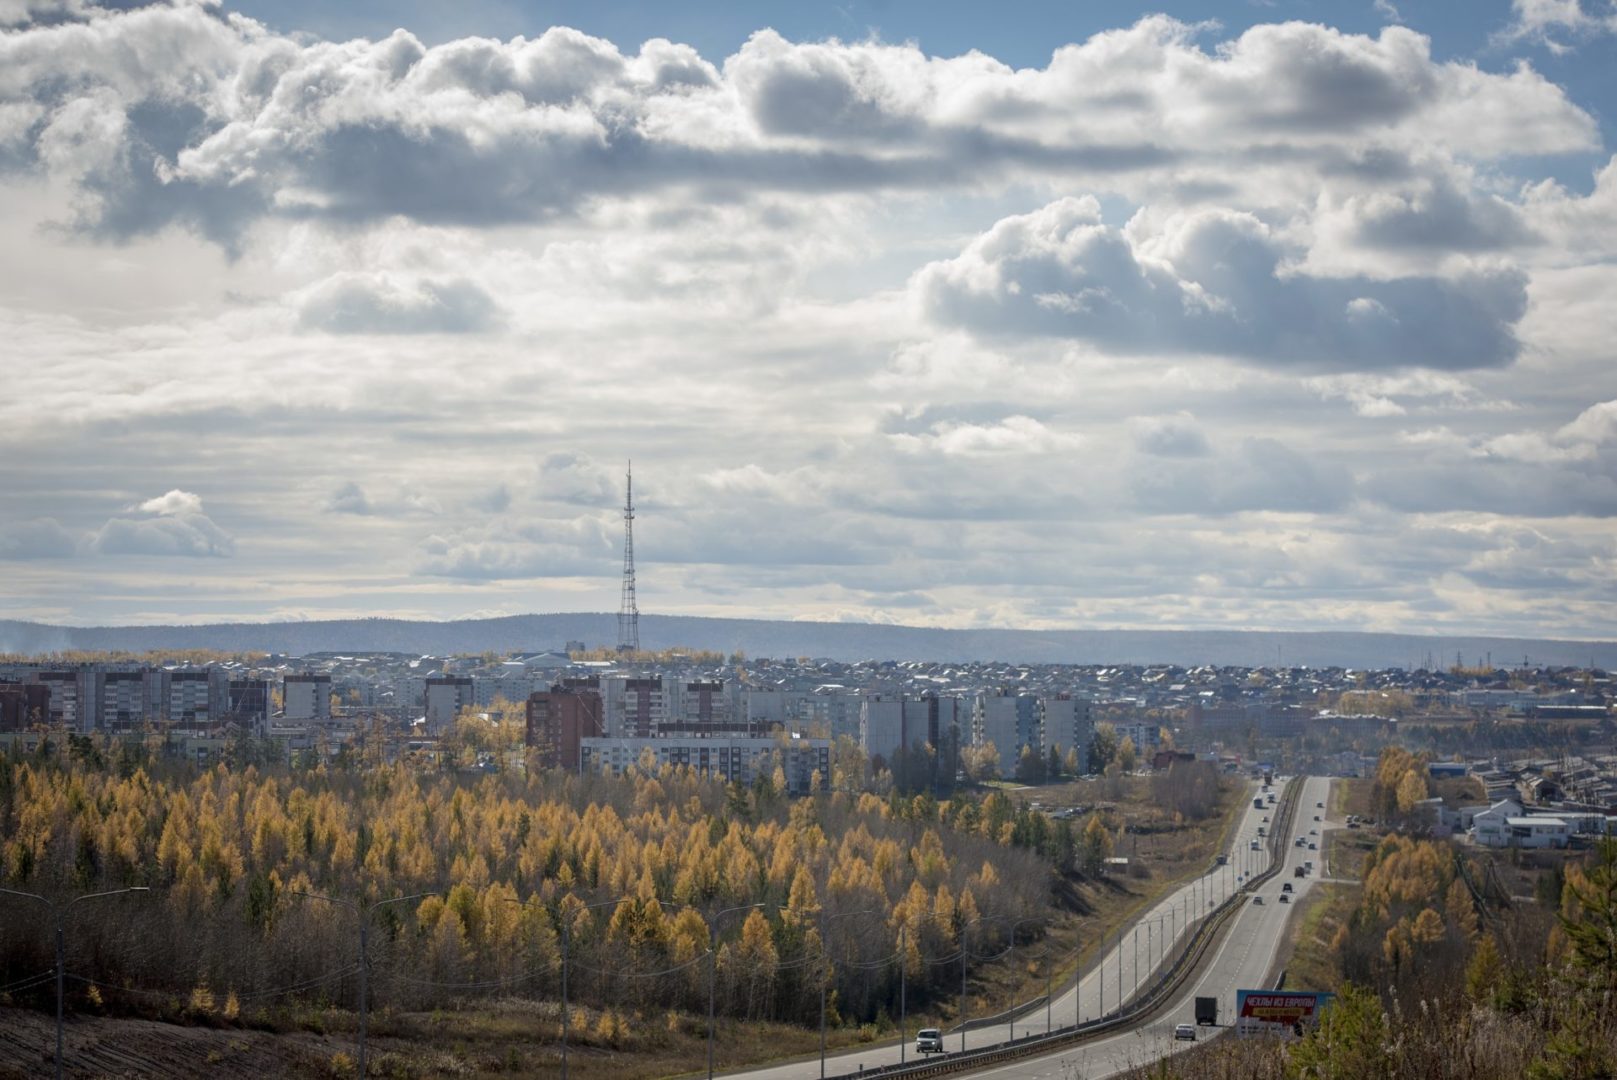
[[835, 641]]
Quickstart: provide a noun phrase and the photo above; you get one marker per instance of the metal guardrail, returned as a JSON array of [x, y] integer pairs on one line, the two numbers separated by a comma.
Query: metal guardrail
[[1154, 998], [1002, 1017]]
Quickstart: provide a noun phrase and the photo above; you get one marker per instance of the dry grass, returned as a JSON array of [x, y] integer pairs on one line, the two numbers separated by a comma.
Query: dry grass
[[510, 1038], [1345, 851], [1350, 795], [1423, 1039], [1308, 956]]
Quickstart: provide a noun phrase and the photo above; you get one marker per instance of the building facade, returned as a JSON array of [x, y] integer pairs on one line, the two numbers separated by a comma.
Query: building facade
[[446, 696], [558, 721], [306, 698], [736, 760]]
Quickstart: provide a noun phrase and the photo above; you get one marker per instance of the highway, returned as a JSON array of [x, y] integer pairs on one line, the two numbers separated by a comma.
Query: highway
[[1243, 960], [1144, 948]]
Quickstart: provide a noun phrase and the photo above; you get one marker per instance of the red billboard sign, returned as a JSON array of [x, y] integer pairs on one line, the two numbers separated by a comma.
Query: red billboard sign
[[1277, 1012]]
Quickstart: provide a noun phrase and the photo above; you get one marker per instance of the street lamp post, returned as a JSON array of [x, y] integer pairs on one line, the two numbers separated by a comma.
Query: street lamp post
[[364, 916], [1014, 926], [1136, 961], [1049, 988], [566, 946], [964, 952], [712, 977], [1078, 986], [60, 911], [903, 1001], [903, 1016], [825, 973]]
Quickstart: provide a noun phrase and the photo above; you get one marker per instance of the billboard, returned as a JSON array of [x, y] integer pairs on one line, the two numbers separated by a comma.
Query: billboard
[[1278, 1012]]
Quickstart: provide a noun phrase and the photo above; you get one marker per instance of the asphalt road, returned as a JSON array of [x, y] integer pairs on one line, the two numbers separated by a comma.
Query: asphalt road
[[1244, 960], [1144, 948]]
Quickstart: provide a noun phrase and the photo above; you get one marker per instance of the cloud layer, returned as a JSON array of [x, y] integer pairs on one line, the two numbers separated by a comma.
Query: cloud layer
[[1287, 327]]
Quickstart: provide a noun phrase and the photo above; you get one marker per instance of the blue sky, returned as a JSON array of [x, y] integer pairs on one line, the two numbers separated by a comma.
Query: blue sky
[[1283, 316]]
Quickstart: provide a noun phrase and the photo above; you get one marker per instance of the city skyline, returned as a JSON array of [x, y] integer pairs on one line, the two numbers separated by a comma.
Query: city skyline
[[1295, 320]]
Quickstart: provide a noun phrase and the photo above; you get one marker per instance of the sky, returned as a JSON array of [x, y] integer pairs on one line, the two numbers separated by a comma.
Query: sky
[[1231, 315]]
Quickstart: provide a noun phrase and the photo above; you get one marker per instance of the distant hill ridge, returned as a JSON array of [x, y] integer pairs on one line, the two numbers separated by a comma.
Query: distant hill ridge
[[837, 641]]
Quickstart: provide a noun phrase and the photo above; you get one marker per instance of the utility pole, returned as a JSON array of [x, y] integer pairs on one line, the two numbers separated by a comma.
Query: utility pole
[[60, 912], [364, 915], [903, 1012], [712, 977], [1136, 963], [962, 987], [825, 972]]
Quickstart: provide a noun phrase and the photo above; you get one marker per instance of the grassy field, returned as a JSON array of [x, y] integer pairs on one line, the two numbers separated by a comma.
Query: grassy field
[[1309, 954], [1350, 795]]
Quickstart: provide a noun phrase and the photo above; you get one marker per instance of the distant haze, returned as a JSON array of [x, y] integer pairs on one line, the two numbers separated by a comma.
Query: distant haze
[[836, 641]]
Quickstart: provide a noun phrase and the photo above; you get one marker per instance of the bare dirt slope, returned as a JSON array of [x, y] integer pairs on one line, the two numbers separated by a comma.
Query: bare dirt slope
[[104, 1047]]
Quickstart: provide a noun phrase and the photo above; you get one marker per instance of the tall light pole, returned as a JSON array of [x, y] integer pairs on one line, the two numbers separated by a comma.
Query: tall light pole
[[903, 1017], [1136, 961], [1078, 985], [1014, 926], [1120, 971], [964, 953], [566, 946], [60, 911], [713, 974], [825, 973], [903, 1001], [364, 916]]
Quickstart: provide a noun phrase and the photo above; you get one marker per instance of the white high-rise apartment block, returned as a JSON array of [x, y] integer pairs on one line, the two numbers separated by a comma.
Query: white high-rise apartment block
[[1069, 725], [738, 760], [654, 706], [192, 697], [306, 698], [446, 696], [1010, 722], [834, 711], [881, 726], [123, 701]]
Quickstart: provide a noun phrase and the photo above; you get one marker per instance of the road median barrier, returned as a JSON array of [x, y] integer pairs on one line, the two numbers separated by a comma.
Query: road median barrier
[[1159, 994]]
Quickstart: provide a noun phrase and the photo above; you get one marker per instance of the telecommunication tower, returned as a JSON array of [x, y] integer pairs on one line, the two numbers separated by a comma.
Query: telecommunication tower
[[628, 609]]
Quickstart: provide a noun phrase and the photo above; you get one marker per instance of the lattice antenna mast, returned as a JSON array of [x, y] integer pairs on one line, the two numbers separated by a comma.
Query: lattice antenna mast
[[628, 609]]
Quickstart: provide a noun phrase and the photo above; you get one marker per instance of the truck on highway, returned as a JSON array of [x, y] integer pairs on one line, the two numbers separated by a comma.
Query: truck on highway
[[1206, 1011], [1257, 803]]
